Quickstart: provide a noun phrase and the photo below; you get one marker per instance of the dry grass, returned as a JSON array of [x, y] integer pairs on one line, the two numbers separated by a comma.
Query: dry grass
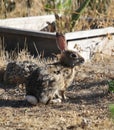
[[4, 56], [22, 10], [47, 118], [38, 8], [87, 107]]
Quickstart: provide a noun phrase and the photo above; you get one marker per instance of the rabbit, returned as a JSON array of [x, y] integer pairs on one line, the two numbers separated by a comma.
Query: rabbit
[[17, 72], [47, 84]]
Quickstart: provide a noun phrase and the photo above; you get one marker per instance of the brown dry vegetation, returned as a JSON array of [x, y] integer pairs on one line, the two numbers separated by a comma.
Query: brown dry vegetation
[[88, 102], [22, 10], [87, 106], [35, 8]]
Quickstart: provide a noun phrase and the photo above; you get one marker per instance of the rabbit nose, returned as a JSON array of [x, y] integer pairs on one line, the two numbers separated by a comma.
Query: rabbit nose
[[82, 60]]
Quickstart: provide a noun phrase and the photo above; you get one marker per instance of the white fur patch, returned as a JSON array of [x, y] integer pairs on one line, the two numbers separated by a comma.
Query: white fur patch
[[55, 101], [31, 99], [44, 99]]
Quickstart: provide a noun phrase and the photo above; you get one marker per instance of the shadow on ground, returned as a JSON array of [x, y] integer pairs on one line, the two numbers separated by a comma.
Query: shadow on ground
[[78, 93]]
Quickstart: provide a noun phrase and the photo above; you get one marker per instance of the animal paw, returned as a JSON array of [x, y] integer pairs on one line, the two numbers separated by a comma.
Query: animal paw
[[31, 99], [53, 101]]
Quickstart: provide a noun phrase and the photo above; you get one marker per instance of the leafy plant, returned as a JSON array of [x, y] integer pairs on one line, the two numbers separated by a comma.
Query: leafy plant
[[72, 10], [111, 89], [111, 86], [111, 109], [78, 12], [58, 5], [69, 15]]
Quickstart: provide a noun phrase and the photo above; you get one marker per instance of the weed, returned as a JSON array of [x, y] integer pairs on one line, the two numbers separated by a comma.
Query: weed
[[73, 13], [69, 13], [111, 86], [111, 109]]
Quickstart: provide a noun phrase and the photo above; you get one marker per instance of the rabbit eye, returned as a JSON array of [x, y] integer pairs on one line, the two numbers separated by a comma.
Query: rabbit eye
[[73, 55]]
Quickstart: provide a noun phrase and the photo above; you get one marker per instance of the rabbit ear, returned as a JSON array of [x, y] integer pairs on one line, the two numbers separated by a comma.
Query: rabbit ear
[[61, 41]]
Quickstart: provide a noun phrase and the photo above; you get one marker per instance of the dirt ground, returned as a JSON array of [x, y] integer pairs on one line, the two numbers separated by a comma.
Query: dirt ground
[[87, 106]]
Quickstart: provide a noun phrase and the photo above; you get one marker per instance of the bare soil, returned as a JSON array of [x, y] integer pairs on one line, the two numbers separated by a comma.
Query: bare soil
[[87, 106]]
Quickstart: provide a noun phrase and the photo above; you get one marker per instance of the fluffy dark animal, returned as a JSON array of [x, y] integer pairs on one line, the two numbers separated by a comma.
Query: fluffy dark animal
[[48, 83]]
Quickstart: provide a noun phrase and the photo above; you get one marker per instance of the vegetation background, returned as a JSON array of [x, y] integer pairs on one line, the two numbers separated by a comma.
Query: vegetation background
[[101, 11], [83, 113]]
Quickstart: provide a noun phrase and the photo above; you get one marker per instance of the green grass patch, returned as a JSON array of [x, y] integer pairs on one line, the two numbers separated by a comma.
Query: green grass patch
[[111, 86], [111, 109]]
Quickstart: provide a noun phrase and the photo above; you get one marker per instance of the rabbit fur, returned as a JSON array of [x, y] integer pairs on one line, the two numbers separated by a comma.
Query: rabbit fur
[[48, 83]]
